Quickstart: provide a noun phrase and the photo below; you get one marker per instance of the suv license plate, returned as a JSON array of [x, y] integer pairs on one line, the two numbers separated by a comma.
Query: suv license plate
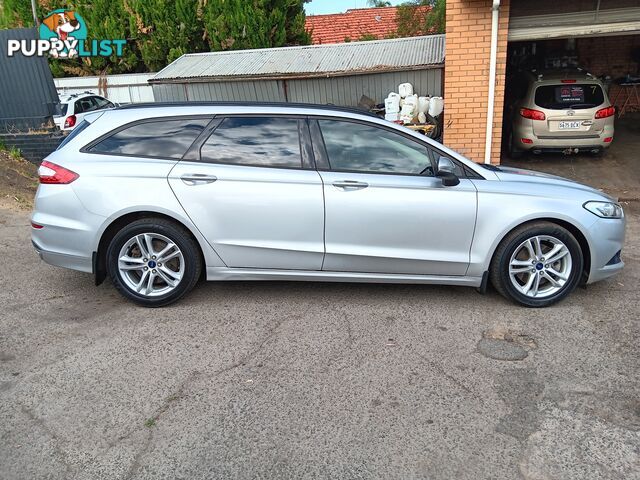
[[568, 125]]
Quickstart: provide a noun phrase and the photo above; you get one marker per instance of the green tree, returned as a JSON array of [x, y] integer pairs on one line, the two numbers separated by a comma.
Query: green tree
[[166, 29], [421, 17], [241, 24], [378, 3], [159, 31]]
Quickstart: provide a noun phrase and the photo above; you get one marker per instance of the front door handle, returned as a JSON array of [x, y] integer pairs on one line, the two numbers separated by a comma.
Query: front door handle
[[197, 178], [350, 184]]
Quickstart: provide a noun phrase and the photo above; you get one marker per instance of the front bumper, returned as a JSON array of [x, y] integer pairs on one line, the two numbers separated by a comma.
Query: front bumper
[[607, 236]]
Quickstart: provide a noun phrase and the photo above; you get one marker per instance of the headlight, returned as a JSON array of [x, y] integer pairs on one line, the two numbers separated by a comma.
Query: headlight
[[604, 209]]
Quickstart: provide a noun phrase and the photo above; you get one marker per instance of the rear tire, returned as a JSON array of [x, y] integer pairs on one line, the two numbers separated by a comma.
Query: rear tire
[[537, 264], [153, 262]]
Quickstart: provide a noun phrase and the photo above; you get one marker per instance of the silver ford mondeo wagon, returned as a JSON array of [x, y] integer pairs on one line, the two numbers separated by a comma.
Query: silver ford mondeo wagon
[[158, 196]]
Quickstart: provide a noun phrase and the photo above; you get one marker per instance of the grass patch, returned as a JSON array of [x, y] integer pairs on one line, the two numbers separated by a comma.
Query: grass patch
[[150, 422], [15, 153]]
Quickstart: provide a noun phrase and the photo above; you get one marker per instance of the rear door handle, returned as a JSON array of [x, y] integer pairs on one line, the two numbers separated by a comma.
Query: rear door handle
[[197, 178], [350, 184]]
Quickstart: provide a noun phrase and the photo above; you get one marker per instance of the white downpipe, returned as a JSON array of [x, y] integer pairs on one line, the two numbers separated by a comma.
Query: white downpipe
[[495, 15]]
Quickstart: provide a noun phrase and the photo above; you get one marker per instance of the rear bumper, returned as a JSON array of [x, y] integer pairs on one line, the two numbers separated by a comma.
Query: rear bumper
[[67, 233], [550, 143], [82, 264]]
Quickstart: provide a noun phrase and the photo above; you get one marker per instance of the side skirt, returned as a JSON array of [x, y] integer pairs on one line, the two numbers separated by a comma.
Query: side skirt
[[223, 274]]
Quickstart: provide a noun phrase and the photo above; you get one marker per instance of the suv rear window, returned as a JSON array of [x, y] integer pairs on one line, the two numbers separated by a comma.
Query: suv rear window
[[160, 139], [569, 95]]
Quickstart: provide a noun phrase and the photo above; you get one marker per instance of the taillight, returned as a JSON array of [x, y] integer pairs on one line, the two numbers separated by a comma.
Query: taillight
[[568, 80], [608, 140], [55, 174], [606, 112], [532, 114], [526, 140], [70, 121]]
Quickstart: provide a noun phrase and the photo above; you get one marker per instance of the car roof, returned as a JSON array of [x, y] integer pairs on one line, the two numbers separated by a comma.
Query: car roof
[[563, 74], [64, 98], [263, 107]]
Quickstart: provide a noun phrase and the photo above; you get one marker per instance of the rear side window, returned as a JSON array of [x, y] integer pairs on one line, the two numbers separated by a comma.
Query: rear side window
[[161, 139], [254, 141], [569, 95]]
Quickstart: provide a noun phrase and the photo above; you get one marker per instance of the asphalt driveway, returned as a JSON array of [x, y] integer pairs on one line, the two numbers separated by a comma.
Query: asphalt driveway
[[293, 380]]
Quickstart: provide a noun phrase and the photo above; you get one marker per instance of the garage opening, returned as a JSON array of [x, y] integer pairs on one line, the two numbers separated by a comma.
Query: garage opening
[[564, 73]]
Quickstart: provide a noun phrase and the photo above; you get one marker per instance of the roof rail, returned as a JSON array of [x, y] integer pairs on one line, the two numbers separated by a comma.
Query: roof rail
[[540, 74], [246, 104]]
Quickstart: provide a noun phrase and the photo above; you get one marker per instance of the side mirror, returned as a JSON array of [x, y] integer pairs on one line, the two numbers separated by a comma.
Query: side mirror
[[446, 165], [449, 179]]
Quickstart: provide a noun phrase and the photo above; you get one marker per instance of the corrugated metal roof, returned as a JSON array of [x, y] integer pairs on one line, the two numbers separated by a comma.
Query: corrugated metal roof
[[307, 61]]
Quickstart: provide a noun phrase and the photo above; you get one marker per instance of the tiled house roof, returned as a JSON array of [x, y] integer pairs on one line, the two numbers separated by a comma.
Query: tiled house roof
[[353, 25]]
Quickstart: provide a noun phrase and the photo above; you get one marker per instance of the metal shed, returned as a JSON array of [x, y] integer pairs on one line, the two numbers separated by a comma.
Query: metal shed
[[339, 73], [28, 97]]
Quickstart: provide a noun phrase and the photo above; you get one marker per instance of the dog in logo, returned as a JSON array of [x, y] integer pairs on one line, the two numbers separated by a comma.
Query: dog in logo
[[62, 24]]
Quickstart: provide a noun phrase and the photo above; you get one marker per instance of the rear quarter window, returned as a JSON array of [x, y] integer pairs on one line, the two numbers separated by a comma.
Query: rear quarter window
[[158, 139], [569, 95]]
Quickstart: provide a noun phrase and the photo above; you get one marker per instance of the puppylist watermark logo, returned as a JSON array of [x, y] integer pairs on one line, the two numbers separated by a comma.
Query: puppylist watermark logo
[[63, 34]]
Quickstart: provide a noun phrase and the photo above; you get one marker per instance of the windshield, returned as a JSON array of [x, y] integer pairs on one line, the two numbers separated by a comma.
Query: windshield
[[569, 95]]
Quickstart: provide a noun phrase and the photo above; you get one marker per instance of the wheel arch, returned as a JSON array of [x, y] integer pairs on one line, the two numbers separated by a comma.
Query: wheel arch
[[99, 256], [572, 228]]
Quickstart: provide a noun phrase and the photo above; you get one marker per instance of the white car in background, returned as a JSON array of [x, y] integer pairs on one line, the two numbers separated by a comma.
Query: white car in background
[[75, 106]]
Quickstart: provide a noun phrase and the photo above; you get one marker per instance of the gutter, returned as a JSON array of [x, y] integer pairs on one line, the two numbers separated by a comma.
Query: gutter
[[495, 15]]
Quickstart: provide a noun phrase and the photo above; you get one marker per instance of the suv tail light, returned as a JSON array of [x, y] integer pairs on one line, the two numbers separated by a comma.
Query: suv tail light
[[532, 114], [606, 112], [51, 173], [70, 121], [568, 80]]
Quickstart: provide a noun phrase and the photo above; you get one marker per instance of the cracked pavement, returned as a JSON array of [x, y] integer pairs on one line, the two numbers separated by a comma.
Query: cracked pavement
[[291, 380]]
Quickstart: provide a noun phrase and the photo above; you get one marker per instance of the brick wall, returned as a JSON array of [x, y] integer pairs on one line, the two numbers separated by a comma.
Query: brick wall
[[468, 38]]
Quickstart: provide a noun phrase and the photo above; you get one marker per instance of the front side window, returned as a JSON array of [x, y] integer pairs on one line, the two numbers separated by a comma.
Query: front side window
[[162, 138], [254, 141], [363, 148], [102, 102]]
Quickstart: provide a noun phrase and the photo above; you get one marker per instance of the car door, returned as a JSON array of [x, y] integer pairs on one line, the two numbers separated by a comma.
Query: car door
[[252, 190], [386, 212]]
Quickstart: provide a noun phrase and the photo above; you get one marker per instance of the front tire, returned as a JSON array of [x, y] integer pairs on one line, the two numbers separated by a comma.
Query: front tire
[[153, 262], [537, 265]]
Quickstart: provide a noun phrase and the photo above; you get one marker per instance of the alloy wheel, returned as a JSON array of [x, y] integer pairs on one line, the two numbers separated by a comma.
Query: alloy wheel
[[540, 266], [151, 264]]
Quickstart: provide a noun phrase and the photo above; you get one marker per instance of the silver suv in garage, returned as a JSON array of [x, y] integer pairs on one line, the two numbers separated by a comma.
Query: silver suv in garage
[[159, 196], [564, 111]]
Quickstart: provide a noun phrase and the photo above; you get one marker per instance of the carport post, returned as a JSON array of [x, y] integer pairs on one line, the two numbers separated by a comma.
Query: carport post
[[493, 53]]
